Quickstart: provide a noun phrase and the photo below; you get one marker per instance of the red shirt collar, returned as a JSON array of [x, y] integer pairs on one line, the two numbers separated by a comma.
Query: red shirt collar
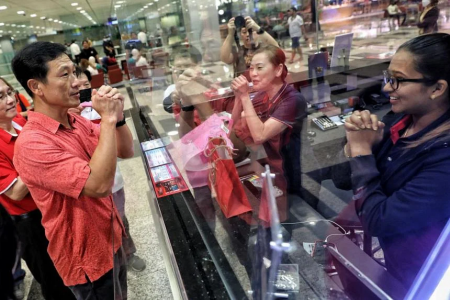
[[399, 126], [6, 136], [50, 124]]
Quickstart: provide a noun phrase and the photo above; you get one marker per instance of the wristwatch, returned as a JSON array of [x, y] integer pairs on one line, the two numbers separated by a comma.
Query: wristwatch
[[121, 123], [260, 31], [188, 108]]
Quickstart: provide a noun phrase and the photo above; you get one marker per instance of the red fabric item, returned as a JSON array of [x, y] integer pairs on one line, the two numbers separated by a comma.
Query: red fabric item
[[53, 161], [224, 180], [24, 101], [8, 173], [402, 124]]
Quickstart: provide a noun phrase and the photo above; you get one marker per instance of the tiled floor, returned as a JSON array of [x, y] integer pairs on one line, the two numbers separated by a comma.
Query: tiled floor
[[372, 37]]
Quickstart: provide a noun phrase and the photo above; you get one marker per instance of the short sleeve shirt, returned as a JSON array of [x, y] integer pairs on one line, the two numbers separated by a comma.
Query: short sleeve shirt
[[86, 53], [289, 109], [295, 29], [8, 173], [53, 161]]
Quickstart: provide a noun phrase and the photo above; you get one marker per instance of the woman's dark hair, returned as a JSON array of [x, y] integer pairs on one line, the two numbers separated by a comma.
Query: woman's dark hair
[[32, 62], [7, 83], [276, 57], [431, 58], [431, 55]]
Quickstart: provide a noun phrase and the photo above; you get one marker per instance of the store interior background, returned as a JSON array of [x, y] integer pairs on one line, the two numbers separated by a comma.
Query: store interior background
[[200, 23]]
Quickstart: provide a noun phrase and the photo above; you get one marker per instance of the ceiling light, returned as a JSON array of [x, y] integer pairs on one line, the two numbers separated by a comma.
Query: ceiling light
[[2, 24], [43, 18], [51, 19], [56, 21], [60, 22], [13, 25], [146, 6], [20, 12], [74, 4], [116, 6], [3, 7], [33, 15], [82, 11], [79, 8], [120, 2]]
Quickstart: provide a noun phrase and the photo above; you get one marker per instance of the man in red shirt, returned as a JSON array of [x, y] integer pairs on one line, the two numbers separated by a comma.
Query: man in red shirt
[[68, 164], [17, 201]]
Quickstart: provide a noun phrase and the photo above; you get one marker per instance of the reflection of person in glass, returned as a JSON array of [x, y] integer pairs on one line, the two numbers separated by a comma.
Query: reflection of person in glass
[[429, 16], [278, 128], [241, 57], [400, 168]]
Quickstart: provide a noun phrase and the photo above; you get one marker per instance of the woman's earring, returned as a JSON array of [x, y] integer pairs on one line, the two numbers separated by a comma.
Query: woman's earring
[[432, 97]]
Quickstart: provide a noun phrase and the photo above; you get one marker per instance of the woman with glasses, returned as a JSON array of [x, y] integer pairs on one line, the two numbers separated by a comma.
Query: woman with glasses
[[400, 167]]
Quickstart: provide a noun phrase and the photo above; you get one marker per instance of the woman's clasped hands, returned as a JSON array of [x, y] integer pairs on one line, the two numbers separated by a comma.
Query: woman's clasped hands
[[363, 131], [240, 86]]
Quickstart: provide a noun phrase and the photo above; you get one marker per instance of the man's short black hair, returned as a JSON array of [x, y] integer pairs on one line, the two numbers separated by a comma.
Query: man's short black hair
[[74, 41], [32, 62], [182, 51]]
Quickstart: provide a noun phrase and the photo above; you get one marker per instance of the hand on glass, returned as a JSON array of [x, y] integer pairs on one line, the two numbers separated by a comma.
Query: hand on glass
[[190, 83], [108, 102], [240, 85], [250, 23], [231, 26]]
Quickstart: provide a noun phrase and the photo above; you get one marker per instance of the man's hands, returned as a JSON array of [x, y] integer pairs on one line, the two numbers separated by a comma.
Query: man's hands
[[76, 110], [191, 86], [363, 131], [108, 102], [249, 23]]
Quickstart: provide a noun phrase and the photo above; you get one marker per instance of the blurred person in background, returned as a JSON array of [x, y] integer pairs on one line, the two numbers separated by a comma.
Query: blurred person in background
[[241, 56], [296, 31], [429, 17]]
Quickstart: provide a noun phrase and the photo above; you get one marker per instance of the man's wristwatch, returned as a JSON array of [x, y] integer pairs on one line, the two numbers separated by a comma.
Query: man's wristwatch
[[188, 108], [260, 31], [121, 123]]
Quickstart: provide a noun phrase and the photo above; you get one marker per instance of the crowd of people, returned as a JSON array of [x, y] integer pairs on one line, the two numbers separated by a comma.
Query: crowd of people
[[64, 214]]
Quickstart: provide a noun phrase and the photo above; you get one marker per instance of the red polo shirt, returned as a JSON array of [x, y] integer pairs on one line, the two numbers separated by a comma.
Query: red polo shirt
[[53, 161], [8, 174]]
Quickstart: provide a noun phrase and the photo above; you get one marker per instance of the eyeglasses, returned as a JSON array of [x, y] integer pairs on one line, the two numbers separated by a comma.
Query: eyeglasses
[[4, 96], [395, 81]]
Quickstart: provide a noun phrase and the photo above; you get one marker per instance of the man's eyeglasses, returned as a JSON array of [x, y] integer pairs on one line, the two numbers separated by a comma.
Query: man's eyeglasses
[[395, 81]]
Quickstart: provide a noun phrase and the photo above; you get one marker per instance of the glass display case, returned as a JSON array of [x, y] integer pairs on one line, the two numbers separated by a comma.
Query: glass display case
[[210, 172]]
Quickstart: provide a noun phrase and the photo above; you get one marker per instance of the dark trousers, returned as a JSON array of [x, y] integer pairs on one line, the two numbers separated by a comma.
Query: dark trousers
[[8, 246], [34, 251], [112, 285]]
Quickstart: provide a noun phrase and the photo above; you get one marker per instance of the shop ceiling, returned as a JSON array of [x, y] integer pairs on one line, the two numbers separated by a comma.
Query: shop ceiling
[[24, 17]]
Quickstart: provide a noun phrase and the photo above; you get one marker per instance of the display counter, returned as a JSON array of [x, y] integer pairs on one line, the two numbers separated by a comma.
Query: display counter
[[217, 256]]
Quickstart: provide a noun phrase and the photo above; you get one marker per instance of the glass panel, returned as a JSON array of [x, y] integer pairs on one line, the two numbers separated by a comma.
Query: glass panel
[[182, 62]]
